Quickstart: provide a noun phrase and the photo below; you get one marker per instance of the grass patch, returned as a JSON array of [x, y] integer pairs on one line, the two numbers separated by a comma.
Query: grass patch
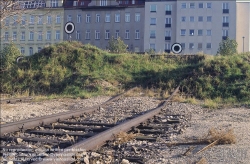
[[71, 69]]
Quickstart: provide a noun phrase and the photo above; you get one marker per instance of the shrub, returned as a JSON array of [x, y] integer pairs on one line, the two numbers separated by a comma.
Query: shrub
[[227, 47], [8, 57], [117, 45]]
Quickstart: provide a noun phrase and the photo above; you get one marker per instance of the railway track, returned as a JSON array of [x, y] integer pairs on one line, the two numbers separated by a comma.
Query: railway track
[[57, 140], [16, 100]]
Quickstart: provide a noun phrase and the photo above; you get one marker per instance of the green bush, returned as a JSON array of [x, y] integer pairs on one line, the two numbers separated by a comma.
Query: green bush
[[117, 45], [8, 57], [227, 47]]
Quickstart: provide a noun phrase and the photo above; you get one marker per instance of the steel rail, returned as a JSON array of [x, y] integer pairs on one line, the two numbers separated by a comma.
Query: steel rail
[[98, 140], [33, 122]]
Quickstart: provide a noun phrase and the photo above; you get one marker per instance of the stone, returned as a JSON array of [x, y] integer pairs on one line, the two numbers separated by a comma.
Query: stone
[[124, 161]]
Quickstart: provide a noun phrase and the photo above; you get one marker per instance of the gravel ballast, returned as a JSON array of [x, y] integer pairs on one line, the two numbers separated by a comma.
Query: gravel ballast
[[201, 121]]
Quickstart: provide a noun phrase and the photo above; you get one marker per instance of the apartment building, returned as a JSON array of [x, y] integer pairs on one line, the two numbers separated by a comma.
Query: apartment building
[[40, 25], [100, 20], [199, 26]]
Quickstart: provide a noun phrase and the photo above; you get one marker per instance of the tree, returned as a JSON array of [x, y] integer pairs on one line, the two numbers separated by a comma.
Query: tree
[[227, 47], [8, 57], [117, 45]]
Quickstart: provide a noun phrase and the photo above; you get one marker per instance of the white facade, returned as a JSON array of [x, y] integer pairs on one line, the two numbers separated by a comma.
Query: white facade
[[198, 25]]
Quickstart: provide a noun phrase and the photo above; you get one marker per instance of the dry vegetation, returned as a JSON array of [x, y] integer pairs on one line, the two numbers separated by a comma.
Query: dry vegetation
[[123, 137]]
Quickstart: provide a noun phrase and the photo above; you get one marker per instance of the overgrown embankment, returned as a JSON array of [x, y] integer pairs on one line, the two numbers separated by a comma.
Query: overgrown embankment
[[71, 68]]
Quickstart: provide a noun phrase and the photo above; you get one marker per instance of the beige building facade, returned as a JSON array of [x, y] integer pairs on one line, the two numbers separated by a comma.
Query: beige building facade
[[243, 26], [36, 28]]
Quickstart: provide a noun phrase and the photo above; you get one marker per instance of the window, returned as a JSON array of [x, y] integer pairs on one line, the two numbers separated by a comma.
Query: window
[[225, 8], [224, 32], [168, 20], [152, 46], [107, 34], [183, 45], [40, 36], [127, 34], [39, 49], [209, 5], [168, 33], [40, 19], [183, 19], [191, 45], [22, 35], [23, 20], [87, 34], [183, 32], [167, 46], [107, 18], [48, 35], [7, 21], [78, 37], [225, 5], [200, 19], [32, 19], [199, 45], [137, 34], [192, 19], [97, 34], [168, 7], [200, 32], [152, 34], [58, 19], [209, 32], [57, 37], [209, 18], [191, 32], [117, 34], [69, 18], [200, 5], [127, 17], [78, 18], [137, 17], [49, 19], [153, 21], [54, 3], [31, 35], [97, 18], [22, 50], [103, 2], [152, 8], [209, 45], [225, 19], [87, 18], [31, 51], [6, 36], [15, 20], [137, 49], [192, 5], [183, 5], [117, 17], [14, 35], [133, 2]]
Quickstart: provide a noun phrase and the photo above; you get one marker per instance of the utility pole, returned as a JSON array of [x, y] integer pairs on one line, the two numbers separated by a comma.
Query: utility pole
[[243, 42]]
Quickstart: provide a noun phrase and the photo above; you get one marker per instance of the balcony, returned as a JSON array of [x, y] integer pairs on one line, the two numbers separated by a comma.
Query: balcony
[[224, 37], [168, 12], [167, 25], [167, 37], [225, 11], [225, 24]]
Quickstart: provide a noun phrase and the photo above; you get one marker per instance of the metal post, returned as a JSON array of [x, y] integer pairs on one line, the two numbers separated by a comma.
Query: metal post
[[243, 42]]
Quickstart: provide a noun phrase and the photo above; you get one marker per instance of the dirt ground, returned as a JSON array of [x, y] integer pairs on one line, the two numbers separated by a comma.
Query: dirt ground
[[237, 119]]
